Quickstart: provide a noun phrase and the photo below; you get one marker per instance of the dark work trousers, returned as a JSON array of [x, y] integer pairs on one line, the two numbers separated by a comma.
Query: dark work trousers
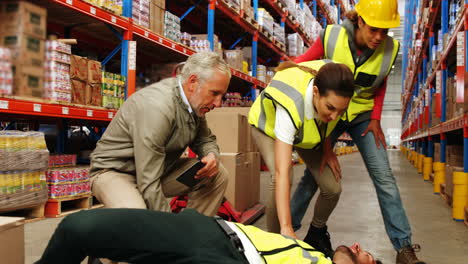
[[140, 236]]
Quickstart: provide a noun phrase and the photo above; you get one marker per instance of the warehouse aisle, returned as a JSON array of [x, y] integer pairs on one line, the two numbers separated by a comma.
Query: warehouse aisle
[[357, 217]]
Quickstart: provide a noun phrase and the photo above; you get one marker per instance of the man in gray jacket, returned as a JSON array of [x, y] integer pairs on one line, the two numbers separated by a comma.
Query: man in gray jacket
[[134, 161]]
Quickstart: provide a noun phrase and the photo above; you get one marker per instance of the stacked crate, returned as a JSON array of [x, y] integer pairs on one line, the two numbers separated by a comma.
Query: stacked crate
[[57, 85]]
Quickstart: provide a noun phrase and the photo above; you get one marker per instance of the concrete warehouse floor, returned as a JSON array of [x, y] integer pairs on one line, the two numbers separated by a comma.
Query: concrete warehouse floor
[[357, 217]]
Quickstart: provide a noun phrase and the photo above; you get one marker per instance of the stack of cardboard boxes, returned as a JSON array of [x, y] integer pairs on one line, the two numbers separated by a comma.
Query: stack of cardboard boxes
[[239, 155], [157, 9], [86, 81], [57, 86], [454, 109], [23, 30], [454, 163]]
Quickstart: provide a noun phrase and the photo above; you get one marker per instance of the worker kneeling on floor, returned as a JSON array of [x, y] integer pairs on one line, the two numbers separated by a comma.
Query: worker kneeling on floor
[[142, 236], [137, 164]]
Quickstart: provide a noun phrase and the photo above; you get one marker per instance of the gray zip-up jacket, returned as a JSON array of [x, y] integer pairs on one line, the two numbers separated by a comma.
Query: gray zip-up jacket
[[149, 133]]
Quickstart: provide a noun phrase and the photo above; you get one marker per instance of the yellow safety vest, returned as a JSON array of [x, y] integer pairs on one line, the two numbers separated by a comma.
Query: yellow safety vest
[[276, 249], [288, 89], [369, 75]]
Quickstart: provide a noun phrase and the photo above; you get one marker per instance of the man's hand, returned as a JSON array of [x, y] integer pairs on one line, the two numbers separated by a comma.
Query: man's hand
[[211, 167], [329, 158], [288, 232], [376, 129]]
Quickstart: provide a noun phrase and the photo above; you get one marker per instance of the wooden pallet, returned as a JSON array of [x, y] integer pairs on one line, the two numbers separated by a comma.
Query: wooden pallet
[[232, 7], [280, 45], [466, 216], [31, 214], [95, 203], [62, 207], [266, 33], [431, 177], [445, 196]]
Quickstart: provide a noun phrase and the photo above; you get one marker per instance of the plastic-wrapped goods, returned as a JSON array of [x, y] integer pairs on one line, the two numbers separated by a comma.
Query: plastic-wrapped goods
[[265, 20], [295, 45], [291, 7], [62, 160], [279, 34], [68, 182], [236, 100], [261, 73], [113, 90], [23, 160], [6, 73], [57, 84], [172, 26]]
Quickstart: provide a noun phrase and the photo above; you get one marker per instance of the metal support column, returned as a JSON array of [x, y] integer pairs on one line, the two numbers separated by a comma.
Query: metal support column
[[430, 147], [443, 147], [314, 9], [211, 22]]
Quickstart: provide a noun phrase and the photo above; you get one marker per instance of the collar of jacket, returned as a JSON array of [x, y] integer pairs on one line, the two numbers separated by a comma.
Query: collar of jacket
[[180, 101]]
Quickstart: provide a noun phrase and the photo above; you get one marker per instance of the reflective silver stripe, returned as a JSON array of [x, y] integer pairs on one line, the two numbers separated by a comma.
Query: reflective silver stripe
[[292, 93], [386, 62], [331, 43], [262, 117], [327, 60], [305, 254]]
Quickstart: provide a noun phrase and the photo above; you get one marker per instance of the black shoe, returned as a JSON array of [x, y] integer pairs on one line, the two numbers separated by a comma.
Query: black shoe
[[319, 238]]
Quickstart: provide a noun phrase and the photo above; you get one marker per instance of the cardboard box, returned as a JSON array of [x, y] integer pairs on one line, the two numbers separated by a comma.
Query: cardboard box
[[12, 240], [243, 184], [26, 50], [157, 17], [93, 94], [78, 68], [28, 81], [234, 58], [94, 72], [78, 92], [247, 7], [23, 17], [230, 130], [436, 152], [251, 145]]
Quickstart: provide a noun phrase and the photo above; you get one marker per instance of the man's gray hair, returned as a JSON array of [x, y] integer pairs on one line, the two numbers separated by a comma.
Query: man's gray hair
[[202, 64]]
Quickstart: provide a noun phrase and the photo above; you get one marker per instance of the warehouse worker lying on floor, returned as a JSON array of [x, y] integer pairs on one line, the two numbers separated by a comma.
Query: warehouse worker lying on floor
[[143, 236]]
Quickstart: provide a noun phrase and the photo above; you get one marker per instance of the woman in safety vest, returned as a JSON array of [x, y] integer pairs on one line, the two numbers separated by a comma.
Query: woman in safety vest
[[293, 112], [361, 43]]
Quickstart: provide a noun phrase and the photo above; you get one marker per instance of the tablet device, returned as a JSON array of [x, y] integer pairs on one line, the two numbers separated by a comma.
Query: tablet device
[[188, 176]]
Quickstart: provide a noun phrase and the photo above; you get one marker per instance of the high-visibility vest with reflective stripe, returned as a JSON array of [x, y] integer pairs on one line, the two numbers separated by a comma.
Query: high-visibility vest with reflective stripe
[[288, 89], [369, 75], [276, 249]]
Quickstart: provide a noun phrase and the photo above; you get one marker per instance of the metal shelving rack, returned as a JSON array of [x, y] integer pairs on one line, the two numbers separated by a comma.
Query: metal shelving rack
[[416, 114]]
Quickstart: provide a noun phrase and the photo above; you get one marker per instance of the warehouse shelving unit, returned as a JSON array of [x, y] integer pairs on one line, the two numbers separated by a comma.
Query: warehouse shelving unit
[[425, 87]]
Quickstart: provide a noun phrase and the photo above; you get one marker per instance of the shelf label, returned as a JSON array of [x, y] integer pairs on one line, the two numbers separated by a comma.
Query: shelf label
[[160, 40], [113, 19], [37, 108], [92, 10], [70, 2], [146, 33], [89, 113], [110, 115], [65, 110], [173, 45], [3, 104], [42, 176], [184, 50], [132, 55]]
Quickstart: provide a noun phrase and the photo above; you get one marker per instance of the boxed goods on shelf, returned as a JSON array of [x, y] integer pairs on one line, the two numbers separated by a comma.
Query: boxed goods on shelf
[[171, 26], [455, 155], [23, 17], [78, 68], [6, 72], [141, 12], [200, 42], [265, 20], [114, 6], [26, 50], [295, 45], [57, 85], [157, 9], [246, 5], [22, 179], [113, 90], [234, 58], [234, 4], [279, 34], [28, 81], [236, 100], [262, 73]]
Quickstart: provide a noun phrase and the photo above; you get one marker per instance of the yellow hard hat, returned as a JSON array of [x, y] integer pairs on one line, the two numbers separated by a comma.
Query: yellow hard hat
[[379, 13]]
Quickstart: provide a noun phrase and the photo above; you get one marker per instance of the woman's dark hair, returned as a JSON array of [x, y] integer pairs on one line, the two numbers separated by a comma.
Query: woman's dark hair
[[352, 16], [332, 76], [335, 77]]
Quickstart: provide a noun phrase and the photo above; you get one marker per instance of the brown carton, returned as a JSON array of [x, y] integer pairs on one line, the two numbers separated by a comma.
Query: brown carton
[[28, 81], [26, 49], [78, 68], [234, 58], [94, 72], [93, 94], [243, 184], [23, 17], [436, 152], [157, 17], [251, 145], [12, 240], [230, 130], [78, 92]]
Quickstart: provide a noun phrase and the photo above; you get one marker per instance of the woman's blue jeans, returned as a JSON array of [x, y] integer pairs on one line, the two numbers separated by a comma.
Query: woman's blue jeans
[[378, 166]]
